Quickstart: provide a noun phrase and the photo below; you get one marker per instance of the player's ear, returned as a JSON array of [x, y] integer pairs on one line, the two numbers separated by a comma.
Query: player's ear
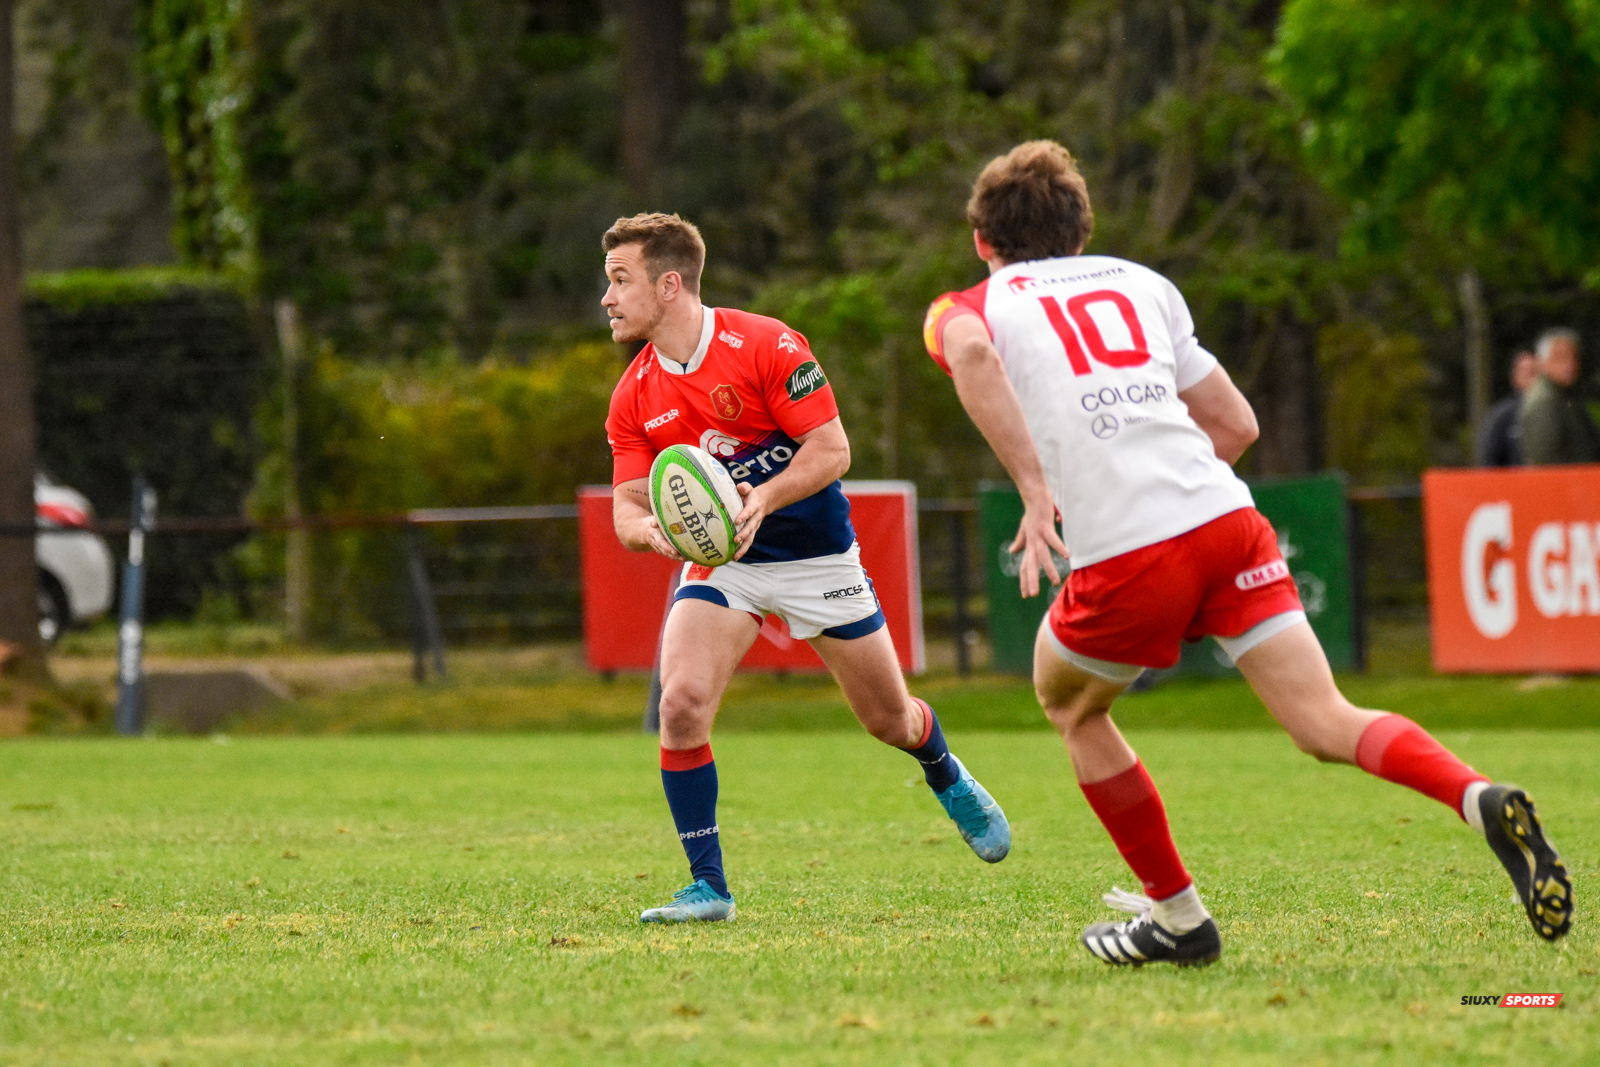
[[670, 285], [984, 249]]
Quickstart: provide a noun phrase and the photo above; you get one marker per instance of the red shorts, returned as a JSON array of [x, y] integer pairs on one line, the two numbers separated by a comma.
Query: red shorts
[[1138, 608]]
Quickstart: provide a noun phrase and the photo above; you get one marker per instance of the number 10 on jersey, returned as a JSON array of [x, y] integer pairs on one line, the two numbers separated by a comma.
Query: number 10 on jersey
[[1077, 310]]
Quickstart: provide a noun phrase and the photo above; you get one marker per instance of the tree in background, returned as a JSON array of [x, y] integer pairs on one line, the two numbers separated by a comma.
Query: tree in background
[[863, 124], [1471, 128], [427, 179], [19, 593]]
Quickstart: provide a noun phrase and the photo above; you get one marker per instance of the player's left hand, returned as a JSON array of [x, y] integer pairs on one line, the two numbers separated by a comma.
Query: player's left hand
[[749, 519]]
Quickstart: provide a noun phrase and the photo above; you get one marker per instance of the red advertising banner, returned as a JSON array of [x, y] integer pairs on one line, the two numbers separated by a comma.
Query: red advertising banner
[[625, 593], [1514, 568]]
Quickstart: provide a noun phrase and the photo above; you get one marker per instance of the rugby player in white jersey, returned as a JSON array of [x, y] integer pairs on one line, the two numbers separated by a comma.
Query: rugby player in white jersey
[[1084, 375], [746, 389]]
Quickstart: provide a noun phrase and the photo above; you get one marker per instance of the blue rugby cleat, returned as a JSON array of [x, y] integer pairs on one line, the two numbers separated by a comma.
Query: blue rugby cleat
[[697, 903], [981, 822]]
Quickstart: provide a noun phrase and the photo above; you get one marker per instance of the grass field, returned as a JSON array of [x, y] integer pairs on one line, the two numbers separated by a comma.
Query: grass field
[[473, 899]]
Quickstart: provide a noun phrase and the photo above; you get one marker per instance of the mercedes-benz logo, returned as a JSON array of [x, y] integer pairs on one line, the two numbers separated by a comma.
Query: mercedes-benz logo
[[1104, 426]]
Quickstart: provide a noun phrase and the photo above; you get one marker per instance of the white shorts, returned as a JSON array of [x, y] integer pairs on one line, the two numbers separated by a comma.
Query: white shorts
[[825, 596]]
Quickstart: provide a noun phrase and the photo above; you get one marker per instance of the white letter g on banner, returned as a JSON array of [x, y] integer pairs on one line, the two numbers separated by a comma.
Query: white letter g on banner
[[1491, 597]]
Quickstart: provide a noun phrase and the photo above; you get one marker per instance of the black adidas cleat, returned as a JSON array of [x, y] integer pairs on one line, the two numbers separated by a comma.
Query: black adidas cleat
[[1142, 940], [1513, 830]]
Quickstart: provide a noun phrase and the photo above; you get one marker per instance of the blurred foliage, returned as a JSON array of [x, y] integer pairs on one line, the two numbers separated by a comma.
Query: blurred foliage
[[444, 432], [436, 432], [1377, 416], [195, 90], [428, 180], [1474, 119], [77, 289], [428, 173]]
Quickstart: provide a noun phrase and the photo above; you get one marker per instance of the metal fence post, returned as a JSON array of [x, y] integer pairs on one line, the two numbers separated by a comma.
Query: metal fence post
[[426, 636], [130, 636]]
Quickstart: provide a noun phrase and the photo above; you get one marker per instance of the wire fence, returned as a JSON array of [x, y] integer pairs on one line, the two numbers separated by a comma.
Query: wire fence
[[462, 577]]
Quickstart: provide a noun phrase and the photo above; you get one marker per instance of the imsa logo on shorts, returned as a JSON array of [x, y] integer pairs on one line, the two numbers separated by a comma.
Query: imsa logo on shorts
[[1265, 574]]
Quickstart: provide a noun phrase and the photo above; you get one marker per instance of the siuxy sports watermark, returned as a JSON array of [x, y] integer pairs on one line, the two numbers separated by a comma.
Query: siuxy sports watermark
[[1513, 1000]]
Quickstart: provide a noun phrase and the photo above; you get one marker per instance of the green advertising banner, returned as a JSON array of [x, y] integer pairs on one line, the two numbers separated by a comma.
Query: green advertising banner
[[1309, 515]]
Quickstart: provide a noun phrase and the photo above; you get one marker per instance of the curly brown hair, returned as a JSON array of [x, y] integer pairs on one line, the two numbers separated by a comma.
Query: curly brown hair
[[1032, 203], [668, 243]]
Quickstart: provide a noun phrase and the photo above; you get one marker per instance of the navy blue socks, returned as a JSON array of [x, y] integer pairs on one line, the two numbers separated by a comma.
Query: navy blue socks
[[689, 777], [938, 768]]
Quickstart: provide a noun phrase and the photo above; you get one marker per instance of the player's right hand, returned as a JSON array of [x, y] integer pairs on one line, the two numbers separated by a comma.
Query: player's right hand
[[658, 541], [1039, 543]]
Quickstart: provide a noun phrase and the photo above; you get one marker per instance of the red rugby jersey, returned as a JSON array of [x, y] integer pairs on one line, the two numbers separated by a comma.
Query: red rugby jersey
[[750, 390]]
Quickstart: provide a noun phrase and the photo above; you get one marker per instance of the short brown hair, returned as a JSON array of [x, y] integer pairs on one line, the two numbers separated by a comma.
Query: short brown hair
[[668, 243], [1032, 203]]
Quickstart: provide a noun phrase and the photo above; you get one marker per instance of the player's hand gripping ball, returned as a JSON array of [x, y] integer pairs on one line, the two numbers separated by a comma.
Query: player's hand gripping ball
[[694, 499]]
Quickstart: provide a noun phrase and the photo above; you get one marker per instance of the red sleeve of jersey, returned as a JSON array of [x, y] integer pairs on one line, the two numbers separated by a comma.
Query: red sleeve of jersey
[[947, 307], [796, 391], [631, 454]]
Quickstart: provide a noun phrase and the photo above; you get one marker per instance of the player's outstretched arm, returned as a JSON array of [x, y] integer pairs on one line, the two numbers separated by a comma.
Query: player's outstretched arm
[[992, 404], [823, 456], [1218, 408], [635, 523]]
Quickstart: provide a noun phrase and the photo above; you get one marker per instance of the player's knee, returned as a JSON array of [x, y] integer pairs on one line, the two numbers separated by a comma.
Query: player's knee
[[1317, 747], [683, 703], [1326, 734], [1069, 716]]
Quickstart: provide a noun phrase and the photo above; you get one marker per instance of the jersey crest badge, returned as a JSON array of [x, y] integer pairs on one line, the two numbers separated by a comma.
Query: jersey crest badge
[[726, 400], [786, 343]]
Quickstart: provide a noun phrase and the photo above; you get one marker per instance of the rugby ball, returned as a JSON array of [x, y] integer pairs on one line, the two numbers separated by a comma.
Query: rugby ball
[[694, 499]]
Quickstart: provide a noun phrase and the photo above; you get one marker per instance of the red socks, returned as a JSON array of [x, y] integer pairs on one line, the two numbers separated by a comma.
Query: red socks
[[1398, 750], [1130, 809]]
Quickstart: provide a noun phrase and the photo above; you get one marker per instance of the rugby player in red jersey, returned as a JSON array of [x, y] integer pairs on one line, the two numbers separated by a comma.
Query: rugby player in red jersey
[[1084, 375], [747, 390]]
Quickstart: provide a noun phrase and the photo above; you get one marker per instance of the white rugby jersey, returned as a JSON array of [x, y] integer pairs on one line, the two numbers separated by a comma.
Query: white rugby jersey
[[1098, 350]]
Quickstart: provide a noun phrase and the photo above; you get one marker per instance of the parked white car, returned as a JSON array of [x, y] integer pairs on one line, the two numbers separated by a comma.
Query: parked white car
[[76, 569]]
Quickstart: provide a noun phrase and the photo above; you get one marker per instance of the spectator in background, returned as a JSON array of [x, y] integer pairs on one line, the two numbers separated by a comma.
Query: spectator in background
[[1556, 425], [1499, 441]]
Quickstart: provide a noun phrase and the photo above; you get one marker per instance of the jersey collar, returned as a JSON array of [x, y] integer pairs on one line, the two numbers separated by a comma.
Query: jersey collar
[[708, 327]]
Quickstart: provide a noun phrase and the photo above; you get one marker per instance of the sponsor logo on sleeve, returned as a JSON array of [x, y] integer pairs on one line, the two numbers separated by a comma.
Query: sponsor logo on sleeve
[[725, 399], [806, 379], [787, 343]]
